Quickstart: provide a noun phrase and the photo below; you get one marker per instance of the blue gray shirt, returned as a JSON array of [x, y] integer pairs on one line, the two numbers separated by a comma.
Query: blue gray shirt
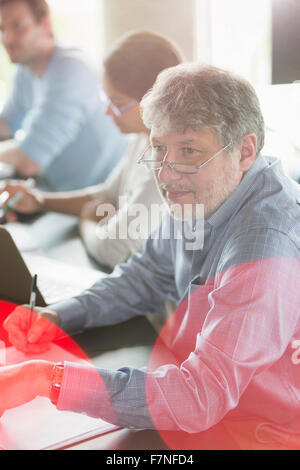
[[59, 121], [235, 336]]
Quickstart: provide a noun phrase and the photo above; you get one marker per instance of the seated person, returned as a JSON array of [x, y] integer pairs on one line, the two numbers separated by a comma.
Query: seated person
[[129, 72], [54, 114], [235, 337]]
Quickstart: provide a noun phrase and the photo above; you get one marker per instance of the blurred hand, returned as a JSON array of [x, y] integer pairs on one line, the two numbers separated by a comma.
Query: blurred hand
[[32, 332], [22, 383], [31, 203]]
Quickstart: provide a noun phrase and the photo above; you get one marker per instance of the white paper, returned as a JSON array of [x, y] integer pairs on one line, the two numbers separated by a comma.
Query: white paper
[[38, 425]]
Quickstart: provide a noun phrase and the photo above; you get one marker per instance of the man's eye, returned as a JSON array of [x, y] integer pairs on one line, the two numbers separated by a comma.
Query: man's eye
[[189, 150], [158, 148]]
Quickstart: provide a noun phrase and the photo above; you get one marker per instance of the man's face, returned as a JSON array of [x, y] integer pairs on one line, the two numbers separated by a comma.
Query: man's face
[[21, 34], [211, 185]]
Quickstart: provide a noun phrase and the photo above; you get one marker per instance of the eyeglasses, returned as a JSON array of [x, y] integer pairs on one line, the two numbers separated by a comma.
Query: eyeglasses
[[117, 110], [185, 168]]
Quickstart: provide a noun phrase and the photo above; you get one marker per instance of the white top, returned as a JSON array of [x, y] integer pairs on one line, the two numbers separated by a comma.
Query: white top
[[134, 185]]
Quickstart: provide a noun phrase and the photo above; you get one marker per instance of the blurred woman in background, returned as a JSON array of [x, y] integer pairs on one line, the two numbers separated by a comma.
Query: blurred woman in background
[[129, 71]]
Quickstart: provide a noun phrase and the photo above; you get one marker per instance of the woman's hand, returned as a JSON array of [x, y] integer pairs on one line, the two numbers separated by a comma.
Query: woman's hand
[[31, 203], [22, 383]]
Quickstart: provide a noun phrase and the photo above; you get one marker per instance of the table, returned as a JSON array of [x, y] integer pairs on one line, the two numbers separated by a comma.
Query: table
[[129, 343]]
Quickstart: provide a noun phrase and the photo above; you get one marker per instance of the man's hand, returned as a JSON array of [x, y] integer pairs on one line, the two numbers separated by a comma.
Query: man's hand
[[32, 332], [22, 383], [31, 202]]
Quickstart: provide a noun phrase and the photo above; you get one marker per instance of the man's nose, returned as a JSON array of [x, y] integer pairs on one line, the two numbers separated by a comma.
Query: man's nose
[[166, 172]]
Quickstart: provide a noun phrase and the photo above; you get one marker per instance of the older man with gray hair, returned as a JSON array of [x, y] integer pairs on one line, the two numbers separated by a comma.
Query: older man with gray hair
[[234, 341]]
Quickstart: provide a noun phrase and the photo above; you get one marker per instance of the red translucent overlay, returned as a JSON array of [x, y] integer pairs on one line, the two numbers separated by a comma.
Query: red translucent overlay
[[59, 349], [228, 344], [248, 315]]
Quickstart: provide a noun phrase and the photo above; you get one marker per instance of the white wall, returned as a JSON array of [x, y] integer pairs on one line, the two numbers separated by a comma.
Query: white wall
[[173, 18]]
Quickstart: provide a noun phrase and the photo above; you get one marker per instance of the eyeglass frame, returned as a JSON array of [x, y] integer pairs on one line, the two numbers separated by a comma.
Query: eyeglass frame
[[172, 164], [118, 110]]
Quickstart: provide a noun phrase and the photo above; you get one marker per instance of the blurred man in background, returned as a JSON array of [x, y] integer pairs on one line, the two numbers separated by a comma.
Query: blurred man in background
[[54, 113]]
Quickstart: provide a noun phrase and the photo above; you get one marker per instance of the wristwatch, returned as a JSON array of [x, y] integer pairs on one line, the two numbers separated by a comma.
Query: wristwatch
[[56, 382]]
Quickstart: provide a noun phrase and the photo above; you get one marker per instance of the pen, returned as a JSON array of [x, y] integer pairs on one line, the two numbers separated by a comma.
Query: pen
[[3, 197], [13, 202], [33, 293]]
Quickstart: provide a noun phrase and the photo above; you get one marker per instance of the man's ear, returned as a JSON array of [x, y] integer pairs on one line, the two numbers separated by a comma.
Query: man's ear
[[247, 147]]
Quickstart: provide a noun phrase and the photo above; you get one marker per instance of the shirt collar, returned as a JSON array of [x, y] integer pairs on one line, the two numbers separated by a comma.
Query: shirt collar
[[235, 200]]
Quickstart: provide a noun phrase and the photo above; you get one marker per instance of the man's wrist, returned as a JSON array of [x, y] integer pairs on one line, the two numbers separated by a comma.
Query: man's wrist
[[42, 375], [51, 316], [56, 382]]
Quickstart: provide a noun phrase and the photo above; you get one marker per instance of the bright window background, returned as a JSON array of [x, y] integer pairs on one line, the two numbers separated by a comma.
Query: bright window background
[[236, 35], [233, 34], [75, 22]]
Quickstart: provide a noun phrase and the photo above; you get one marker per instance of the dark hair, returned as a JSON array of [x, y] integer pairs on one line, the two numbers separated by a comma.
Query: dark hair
[[39, 8], [135, 60]]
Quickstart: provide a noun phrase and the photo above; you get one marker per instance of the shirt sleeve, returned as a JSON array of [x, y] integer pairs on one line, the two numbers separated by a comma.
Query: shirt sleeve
[[126, 232], [245, 329], [68, 97], [139, 287], [109, 190]]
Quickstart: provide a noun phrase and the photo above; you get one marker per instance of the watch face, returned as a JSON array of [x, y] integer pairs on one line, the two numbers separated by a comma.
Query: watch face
[[56, 382]]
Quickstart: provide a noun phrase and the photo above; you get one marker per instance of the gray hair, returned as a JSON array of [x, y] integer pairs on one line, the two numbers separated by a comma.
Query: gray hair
[[192, 95]]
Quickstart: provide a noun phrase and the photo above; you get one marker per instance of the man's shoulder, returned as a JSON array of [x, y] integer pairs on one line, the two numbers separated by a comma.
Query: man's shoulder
[[274, 202], [71, 60], [268, 223], [63, 52], [20, 73]]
